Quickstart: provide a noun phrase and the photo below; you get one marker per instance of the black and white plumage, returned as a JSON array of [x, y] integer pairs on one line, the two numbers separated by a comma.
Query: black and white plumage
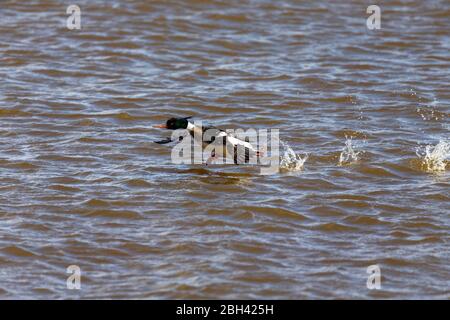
[[223, 144]]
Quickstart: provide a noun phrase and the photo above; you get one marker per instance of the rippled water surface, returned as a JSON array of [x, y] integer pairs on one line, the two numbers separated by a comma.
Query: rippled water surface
[[82, 183]]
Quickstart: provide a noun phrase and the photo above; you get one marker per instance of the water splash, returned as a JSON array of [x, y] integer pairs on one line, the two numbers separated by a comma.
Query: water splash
[[430, 113], [434, 158], [348, 154], [289, 160]]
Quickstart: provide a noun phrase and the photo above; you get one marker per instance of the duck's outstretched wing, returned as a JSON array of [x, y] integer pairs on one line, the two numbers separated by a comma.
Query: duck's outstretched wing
[[169, 140], [166, 140]]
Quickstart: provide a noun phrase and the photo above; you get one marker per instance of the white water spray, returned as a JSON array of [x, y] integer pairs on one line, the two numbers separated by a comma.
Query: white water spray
[[348, 154], [290, 161], [434, 158]]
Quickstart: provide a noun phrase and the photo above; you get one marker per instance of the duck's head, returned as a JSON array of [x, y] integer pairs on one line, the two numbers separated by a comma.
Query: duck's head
[[175, 123]]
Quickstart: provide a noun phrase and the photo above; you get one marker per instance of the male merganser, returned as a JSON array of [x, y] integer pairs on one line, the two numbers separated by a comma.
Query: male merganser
[[225, 143]]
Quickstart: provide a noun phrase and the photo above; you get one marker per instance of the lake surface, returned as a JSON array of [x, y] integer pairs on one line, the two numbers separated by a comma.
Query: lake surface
[[82, 183]]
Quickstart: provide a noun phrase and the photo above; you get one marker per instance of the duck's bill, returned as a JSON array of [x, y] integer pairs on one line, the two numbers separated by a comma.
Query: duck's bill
[[161, 126]]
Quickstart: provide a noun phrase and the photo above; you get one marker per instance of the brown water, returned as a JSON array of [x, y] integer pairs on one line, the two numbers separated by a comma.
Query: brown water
[[83, 184]]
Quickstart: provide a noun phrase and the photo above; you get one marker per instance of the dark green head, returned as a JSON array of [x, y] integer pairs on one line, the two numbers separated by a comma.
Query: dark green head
[[175, 123]]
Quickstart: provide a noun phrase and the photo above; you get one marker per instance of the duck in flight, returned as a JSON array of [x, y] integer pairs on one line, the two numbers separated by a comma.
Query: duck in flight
[[225, 144]]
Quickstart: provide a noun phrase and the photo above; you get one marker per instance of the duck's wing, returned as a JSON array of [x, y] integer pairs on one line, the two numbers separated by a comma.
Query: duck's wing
[[166, 140], [169, 140]]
